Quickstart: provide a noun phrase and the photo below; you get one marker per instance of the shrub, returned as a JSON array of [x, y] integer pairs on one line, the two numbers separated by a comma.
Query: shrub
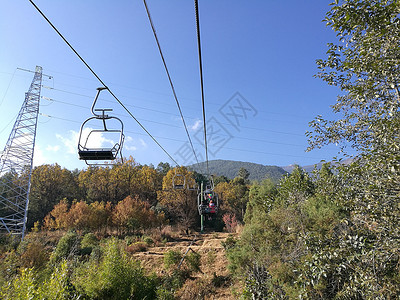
[[220, 280], [230, 222], [89, 241], [67, 246], [8, 242], [193, 259], [229, 243], [165, 294], [137, 247], [35, 256], [172, 258], [148, 240], [114, 277], [175, 280], [25, 285]]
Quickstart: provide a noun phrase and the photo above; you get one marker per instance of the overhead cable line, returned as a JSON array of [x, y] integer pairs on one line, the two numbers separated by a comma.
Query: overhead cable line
[[196, 8], [164, 112], [170, 125], [100, 80], [209, 103], [178, 140], [169, 78]]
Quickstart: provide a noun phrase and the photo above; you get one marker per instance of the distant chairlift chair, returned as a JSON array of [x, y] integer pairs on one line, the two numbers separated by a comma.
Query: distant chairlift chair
[[92, 155], [179, 181]]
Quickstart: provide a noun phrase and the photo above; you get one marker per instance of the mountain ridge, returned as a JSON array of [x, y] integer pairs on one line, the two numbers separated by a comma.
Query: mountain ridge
[[230, 168]]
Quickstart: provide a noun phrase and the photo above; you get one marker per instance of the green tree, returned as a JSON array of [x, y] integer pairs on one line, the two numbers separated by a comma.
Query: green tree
[[359, 261], [243, 173], [116, 276]]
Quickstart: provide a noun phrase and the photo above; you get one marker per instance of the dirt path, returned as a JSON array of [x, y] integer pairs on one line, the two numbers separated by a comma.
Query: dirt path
[[213, 260]]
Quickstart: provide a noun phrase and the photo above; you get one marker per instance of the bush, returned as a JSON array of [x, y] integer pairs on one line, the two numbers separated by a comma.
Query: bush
[[172, 258], [89, 241], [25, 285], [148, 240], [67, 246], [229, 243], [193, 261], [175, 280], [8, 242], [34, 256], [165, 294], [220, 280], [230, 222], [137, 247], [114, 277]]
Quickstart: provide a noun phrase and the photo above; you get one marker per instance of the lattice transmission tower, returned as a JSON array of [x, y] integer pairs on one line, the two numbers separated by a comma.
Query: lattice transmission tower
[[16, 163]]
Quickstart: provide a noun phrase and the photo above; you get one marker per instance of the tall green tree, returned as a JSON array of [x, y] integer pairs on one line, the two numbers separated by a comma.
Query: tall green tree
[[361, 259]]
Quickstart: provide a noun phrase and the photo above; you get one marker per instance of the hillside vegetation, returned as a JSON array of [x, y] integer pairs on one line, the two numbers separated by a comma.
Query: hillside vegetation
[[230, 169]]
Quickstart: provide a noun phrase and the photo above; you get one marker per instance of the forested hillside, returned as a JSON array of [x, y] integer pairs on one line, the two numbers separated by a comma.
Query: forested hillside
[[230, 169]]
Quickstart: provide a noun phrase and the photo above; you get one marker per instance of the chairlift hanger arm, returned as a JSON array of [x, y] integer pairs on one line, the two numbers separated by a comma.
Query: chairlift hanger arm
[[99, 89]]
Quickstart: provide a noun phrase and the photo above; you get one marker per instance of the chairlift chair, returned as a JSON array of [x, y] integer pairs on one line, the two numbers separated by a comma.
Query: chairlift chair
[[194, 187], [203, 202], [90, 154], [178, 181]]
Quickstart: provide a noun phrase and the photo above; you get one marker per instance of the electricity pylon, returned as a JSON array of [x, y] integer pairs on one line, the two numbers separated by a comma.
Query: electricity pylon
[[16, 163]]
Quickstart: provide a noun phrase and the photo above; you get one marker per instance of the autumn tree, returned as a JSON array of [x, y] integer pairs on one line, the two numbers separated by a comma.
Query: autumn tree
[[234, 196], [132, 214], [98, 184], [146, 184], [115, 183], [181, 203], [49, 184], [100, 217]]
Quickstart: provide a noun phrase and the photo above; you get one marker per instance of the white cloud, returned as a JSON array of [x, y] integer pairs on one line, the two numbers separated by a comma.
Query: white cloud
[[130, 148], [196, 125], [53, 148], [38, 157], [70, 142], [132, 144], [142, 142], [96, 139]]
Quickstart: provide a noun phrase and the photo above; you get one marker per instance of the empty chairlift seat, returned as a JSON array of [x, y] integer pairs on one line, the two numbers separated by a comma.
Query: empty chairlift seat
[[112, 128]]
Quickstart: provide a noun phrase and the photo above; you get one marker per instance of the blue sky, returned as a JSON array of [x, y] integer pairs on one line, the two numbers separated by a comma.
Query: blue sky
[[258, 62]]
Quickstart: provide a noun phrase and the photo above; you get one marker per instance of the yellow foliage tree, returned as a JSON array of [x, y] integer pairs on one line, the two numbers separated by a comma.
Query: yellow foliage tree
[[181, 203]]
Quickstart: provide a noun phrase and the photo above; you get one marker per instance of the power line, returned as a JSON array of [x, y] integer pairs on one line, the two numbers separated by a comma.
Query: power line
[[174, 126], [178, 140], [196, 8], [169, 78], [209, 103], [5, 93], [116, 114], [170, 125], [164, 112], [100, 80]]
